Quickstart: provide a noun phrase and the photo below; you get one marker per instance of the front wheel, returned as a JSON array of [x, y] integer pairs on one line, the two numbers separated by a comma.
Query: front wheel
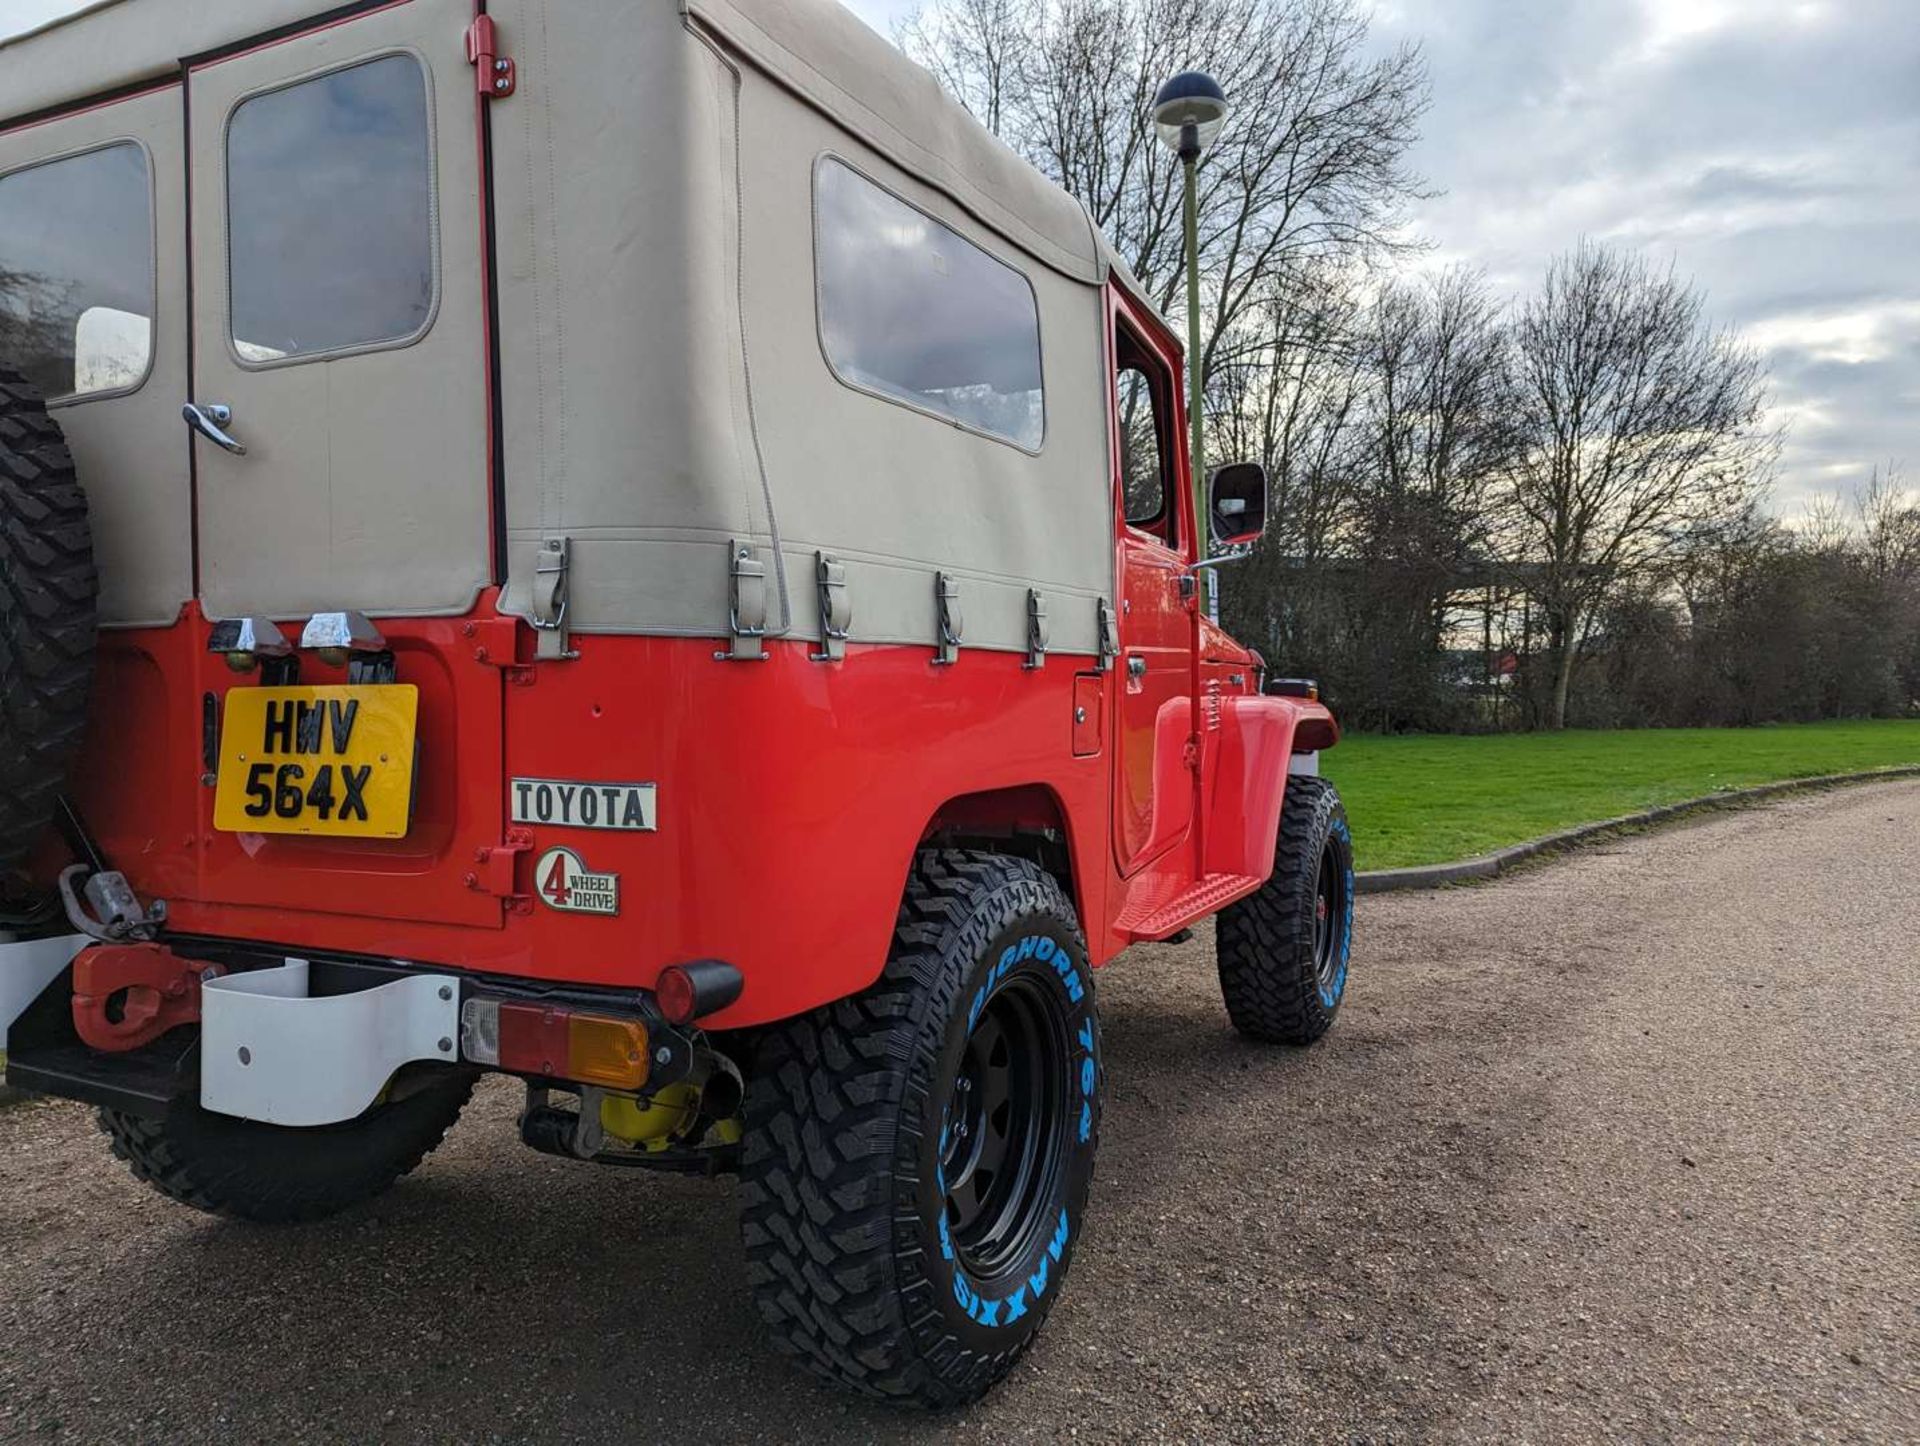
[[1284, 949], [917, 1158]]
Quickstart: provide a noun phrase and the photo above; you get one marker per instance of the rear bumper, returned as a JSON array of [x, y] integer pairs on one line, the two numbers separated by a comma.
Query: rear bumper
[[285, 1037]]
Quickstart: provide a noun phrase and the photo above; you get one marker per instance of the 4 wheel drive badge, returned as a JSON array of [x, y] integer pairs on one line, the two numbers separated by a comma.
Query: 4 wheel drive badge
[[564, 882]]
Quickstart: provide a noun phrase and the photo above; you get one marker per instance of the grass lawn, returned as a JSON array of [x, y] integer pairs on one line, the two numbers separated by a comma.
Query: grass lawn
[[1430, 798]]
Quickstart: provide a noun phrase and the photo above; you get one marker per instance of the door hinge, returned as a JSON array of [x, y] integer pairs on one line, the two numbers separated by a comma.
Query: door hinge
[[496, 870], [494, 74], [496, 644]]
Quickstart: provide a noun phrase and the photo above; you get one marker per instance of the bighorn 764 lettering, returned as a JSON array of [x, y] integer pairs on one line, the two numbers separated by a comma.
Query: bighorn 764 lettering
[[635, 547]]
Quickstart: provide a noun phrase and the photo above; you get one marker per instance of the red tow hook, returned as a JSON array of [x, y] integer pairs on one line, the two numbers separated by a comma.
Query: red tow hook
[[127, 995]]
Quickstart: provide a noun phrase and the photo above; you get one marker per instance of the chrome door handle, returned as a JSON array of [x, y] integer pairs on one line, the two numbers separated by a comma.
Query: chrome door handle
[[210, 421], [1136, 666]]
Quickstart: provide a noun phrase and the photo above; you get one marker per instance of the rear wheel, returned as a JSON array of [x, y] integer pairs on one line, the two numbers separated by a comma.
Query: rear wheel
[[1283, 951], [275, 1175], [917, 1158], [47, 591]]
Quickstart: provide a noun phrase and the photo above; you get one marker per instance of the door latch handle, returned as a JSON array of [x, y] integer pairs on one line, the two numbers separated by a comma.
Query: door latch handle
[[210, 422], [1136, 666]]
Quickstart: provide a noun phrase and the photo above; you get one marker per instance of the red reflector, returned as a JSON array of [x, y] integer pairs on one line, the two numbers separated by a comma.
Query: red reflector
[[673, 991]]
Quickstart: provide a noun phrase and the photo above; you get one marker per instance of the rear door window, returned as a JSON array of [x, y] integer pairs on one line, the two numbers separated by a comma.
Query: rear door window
[[912, 310], [330, 213], [76, 272]]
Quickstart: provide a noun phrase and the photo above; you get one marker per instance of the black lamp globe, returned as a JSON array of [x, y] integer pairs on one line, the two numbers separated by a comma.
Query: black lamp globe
[[1188, 112]]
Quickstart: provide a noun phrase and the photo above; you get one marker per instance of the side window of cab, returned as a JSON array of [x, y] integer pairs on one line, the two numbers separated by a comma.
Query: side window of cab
[[1143, 413]]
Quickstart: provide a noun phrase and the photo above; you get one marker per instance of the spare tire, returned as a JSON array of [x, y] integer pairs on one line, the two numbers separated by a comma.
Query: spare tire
[[47, 620]]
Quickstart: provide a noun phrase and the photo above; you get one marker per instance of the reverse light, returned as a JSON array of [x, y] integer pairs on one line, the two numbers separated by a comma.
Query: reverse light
[[597, 1049]]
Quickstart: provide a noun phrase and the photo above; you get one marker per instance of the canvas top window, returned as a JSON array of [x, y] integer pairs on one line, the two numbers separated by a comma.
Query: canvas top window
[[914, 311], [330, 213], [76, 272]]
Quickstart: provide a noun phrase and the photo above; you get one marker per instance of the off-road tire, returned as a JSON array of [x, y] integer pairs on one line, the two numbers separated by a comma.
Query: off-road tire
[[274, 1175], [1281, 985], [47, 618], [851, 1130]]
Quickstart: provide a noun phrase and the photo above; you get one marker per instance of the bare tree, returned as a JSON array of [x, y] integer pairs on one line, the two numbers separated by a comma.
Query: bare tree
[[1311, 167], [1639, 423]]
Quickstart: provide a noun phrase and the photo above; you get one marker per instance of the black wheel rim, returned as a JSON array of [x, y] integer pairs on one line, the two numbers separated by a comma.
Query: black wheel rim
[[1329, 920], [1002, 1141]]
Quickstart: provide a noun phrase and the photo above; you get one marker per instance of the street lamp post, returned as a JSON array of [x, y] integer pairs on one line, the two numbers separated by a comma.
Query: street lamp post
[[1188, 112]]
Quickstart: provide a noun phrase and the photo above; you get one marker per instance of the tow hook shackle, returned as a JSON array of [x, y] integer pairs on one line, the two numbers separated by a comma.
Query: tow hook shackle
[[128, 995]]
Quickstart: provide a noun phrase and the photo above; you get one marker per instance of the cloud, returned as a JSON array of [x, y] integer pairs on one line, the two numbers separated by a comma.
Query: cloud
[[1769, 148]]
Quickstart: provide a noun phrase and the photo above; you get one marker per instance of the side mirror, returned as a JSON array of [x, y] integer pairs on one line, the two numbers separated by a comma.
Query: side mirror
[[1237, 502]]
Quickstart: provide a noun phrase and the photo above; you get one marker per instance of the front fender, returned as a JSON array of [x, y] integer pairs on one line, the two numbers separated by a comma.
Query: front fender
[[1256, 738]]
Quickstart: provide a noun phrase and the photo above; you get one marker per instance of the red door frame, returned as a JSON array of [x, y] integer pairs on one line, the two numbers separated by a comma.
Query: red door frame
[[1165, 348]]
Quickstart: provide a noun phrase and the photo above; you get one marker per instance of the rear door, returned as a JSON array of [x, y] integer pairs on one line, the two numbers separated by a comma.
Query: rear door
[[338, 316], [339, 338], [93, 311]]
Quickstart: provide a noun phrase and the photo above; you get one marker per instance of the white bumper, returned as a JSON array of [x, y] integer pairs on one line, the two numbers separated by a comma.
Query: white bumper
[[27, 969], [270, 1052]]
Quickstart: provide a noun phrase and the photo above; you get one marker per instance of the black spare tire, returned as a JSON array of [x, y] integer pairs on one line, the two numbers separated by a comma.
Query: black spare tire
[[47, 620]]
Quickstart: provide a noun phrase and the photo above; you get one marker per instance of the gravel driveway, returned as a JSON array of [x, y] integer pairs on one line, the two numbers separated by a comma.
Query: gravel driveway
[[1624, 1147]]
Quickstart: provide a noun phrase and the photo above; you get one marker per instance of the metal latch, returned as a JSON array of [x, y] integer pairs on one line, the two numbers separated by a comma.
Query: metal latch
[[494, 74], [1036, 629], [550, 587], [952, 626], [1109, 641], [836, 608], [746, 606]]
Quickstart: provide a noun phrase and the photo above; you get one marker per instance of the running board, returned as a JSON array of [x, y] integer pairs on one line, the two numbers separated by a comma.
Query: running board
[[1162, 907]]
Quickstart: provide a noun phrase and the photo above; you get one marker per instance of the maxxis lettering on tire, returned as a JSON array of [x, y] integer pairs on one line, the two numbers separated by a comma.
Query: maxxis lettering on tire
[[862, 1258]]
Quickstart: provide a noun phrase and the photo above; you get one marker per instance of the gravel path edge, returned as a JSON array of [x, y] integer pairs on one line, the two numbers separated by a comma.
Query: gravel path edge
[[1490, 865]]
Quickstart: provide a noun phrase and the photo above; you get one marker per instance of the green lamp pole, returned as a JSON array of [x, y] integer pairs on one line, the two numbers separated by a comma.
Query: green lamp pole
[[1188, 113]]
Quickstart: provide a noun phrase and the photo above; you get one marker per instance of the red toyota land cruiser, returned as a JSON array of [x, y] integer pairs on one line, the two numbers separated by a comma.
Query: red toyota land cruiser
[[632, 546]]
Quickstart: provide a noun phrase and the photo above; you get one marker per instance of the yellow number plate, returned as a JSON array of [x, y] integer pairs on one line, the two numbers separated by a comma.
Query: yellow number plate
[[334, 760]]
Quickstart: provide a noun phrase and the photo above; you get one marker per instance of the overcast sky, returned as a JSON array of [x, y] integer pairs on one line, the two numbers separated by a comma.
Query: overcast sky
[[1771, 148]]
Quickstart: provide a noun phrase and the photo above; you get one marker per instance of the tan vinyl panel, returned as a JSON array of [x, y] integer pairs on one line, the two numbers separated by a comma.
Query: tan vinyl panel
[[626, 421], [826, 54], [650, 417], [122, 42], [897, 493], [365, 484], [130, 448]]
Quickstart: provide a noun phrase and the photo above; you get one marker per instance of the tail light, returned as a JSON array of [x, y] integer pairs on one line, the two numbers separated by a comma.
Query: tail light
[[598, 1049]]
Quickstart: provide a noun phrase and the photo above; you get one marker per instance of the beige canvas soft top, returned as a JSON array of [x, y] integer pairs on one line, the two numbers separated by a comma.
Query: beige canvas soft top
[[818, 48], [665, 400]]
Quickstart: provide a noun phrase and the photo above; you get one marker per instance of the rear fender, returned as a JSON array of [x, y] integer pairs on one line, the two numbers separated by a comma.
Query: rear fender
[[1257, 738]]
